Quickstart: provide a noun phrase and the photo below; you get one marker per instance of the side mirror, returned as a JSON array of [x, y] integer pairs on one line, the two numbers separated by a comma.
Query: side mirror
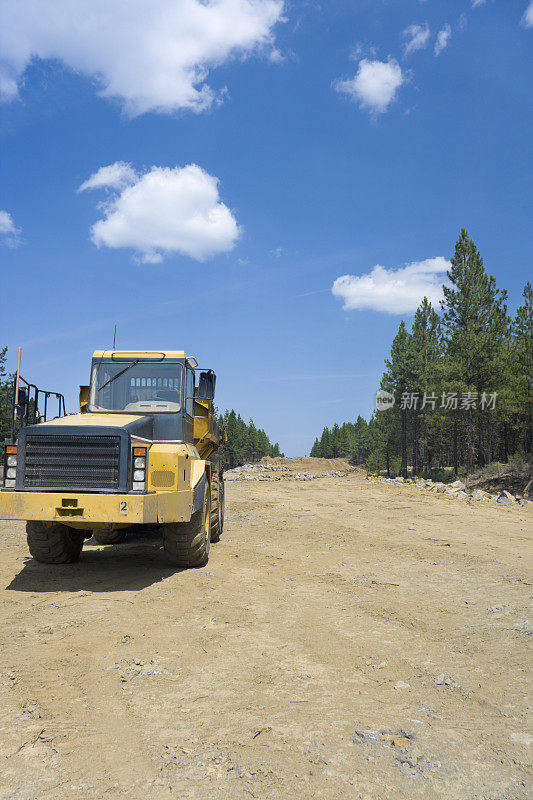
[[206, 385], [84, 399]]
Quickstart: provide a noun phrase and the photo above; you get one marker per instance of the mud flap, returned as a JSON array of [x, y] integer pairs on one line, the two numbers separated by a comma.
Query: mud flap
[[198, 496]]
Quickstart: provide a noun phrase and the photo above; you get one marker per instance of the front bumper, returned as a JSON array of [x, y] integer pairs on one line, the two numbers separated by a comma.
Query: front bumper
[[92, 509]]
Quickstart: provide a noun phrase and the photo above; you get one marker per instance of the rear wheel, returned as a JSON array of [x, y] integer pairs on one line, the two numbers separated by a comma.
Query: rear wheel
[[104, 536], [217, 508], [187, 544], [54, 543]]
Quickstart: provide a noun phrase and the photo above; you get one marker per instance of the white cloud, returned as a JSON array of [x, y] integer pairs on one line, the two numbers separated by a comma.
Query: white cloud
[[162, 212], [114, 176], [527, 19], [478, 3], [394, 291], [417, 37], [443, 37], [151, 55], [8, 229], [375, 84]]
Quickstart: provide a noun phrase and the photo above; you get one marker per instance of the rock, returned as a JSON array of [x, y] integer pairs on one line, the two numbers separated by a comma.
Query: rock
[[445, 680], [524, 502], [477, 495], [401, 685], [497, 609], [524, 626], [460, 493], [401, 741], [505, 497], [410, 758], [457, 485], [367, 736], [522, 738]]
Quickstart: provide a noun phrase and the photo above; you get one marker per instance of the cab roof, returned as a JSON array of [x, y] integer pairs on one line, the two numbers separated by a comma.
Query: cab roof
[[140, 354]]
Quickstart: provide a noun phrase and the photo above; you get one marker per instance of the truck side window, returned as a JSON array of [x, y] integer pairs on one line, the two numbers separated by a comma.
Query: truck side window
[[189, 403]]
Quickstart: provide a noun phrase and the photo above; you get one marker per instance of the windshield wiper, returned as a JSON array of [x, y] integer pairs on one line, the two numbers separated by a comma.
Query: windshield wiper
[[122, 371]]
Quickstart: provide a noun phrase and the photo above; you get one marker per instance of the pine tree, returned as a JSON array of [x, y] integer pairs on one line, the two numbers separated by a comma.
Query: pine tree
[[398, 377], [316, 450], [426, 364], [522, 384], [476, 323]]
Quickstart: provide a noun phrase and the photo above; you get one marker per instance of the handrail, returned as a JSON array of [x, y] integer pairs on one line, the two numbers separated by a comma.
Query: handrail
[[28, 413]]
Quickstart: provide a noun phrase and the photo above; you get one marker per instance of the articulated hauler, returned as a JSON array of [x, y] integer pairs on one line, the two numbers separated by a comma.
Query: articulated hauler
[[141, 452]]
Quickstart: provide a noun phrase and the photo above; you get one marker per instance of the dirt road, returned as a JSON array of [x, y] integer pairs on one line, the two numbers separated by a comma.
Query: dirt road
[[346, 640]]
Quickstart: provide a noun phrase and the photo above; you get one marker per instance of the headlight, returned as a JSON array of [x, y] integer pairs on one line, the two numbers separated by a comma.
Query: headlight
[[140, 463], [11, 461], [139, 486], [11, 472], [138, 475], [9, 484]]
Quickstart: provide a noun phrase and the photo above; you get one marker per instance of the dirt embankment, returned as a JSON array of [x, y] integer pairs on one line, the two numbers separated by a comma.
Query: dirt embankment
[[306, 468], [347, 641], [309, 464]]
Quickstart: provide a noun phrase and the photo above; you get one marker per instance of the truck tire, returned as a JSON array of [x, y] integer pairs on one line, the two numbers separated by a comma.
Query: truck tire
[[186, 544], [103, 536], [54, 543], [217, 507]]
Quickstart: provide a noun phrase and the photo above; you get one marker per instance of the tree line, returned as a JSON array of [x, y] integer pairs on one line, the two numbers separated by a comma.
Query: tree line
[[245, 443], [461, 381]]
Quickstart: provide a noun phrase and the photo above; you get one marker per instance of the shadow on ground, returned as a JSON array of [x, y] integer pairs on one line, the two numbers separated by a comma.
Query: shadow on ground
[[137, 563]]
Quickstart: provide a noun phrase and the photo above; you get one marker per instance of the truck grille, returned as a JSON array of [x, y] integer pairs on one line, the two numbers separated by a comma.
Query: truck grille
[[81, 462]]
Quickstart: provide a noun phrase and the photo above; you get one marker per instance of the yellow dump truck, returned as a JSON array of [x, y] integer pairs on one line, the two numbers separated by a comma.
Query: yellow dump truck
[[141, 452]]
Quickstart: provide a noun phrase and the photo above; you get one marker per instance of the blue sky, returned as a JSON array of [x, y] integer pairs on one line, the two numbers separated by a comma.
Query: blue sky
[[332, 138]]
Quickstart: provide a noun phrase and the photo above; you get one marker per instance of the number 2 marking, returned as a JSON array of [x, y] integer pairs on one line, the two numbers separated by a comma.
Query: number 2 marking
[[123, 505]]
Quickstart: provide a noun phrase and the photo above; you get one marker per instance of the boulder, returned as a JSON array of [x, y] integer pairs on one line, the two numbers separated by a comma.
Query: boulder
[[505, 497]]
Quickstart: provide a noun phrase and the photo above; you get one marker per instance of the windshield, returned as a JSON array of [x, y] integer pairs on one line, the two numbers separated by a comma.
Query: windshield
[[136, 386]]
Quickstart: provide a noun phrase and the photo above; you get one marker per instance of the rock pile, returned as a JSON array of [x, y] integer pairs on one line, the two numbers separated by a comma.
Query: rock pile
[[455, 489], [277, 472]]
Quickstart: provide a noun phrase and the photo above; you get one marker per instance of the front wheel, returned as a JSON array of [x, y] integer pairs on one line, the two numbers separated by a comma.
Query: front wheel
[[187, 544], [104, 536], [54, 543]]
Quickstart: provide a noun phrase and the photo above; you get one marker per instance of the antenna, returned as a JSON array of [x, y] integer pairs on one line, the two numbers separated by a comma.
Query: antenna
[[115, 337]]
